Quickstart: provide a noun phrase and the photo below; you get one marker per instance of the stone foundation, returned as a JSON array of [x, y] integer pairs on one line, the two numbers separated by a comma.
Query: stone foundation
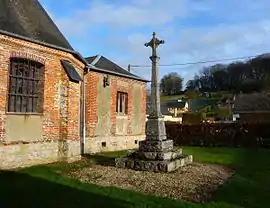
[[22, 154], [153, 165], [35, 153], [112, 143]]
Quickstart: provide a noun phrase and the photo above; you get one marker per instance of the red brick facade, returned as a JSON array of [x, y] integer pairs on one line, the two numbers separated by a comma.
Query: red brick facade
[[60, 120], [53, 127], [92, 80]]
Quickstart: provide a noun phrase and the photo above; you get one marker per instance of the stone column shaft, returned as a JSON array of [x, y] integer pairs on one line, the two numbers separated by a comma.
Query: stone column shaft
[[155, 127]]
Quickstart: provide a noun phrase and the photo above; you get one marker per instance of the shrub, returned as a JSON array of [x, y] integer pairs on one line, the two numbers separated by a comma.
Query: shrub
[[192, 118], [217, 135]]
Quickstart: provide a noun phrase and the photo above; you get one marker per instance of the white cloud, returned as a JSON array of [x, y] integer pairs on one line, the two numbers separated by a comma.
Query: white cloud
[[193, 44], [230, 29], [138, 13]]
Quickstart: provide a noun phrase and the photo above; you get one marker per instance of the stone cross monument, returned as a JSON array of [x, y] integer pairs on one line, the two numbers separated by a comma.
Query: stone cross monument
[[155, 129], [156, 153]]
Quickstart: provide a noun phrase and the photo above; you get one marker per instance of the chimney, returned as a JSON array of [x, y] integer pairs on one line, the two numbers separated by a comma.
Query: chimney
[[129, 68]]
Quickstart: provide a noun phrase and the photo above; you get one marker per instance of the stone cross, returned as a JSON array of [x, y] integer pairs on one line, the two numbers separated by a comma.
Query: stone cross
[[156, 153], [155, 92], [155, 128]]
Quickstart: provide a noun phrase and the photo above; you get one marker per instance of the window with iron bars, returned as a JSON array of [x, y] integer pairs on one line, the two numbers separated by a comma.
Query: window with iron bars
[[26, 86]]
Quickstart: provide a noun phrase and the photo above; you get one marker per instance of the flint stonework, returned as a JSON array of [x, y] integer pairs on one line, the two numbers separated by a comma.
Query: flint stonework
[[171, 155], [152, 165], [156, 146]]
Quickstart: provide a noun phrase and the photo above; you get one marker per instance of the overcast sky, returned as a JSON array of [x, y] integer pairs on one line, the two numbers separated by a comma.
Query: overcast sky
[[193, 30]]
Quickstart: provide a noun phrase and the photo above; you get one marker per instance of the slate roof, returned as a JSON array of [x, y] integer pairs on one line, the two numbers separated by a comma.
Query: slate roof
[[73, 75], [163, 109], [176, 104], [28, 19], [91, 59], [197, 105], [251, 102], [108, 66]]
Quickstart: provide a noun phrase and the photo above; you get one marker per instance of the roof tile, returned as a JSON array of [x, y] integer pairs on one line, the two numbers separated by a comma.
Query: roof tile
[[27, 18]]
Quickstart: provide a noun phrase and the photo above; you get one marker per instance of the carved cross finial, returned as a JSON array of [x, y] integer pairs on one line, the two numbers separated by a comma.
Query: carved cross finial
[[154, 43]]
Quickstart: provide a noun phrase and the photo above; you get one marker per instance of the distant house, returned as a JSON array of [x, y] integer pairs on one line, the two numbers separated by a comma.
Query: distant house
[[171, 110], [251, 107], [196, 105], [163, 108], [177, 108]]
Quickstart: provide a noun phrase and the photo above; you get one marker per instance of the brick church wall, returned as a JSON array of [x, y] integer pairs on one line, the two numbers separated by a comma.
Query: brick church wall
[[53, 135]]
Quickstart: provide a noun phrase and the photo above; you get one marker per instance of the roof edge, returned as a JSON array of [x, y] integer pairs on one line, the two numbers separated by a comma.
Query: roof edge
[[35, 41], [96, 60], [94, 68], [76, 54]]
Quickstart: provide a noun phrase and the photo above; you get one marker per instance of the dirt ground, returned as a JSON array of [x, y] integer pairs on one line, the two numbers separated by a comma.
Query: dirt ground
[[195, 182]]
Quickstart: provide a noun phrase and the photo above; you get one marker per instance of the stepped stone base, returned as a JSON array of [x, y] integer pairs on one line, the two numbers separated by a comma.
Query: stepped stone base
[[171, 155], [156, 146], [154, 161], [156, 153]]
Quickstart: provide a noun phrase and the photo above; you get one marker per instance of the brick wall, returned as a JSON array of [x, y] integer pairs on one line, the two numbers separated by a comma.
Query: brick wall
[[55, 79], [114, 141]]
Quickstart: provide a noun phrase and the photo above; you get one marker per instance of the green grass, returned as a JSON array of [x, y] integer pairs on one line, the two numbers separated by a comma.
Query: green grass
[[45, 186], [214, 95], [165, 98]]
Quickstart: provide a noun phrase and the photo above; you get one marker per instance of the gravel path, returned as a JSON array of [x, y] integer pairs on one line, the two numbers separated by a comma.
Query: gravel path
[[195, 182]]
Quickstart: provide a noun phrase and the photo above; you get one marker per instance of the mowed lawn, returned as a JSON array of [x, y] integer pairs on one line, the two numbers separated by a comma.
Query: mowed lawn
[[45, 186]]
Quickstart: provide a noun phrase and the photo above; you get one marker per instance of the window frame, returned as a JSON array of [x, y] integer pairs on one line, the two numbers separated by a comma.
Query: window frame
[[32, 81], [120, 103]]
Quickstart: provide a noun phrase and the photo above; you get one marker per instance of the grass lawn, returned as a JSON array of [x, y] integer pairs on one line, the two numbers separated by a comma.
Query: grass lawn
[[166, 98], [44, 186]]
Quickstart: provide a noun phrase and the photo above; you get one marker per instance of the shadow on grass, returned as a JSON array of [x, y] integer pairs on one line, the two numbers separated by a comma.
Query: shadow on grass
[[42, 186], [106, 158], [23, 190], [250, 185], [101, 159], [45, 186]]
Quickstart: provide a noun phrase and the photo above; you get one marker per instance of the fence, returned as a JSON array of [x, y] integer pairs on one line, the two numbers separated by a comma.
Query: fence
[[218, 135]]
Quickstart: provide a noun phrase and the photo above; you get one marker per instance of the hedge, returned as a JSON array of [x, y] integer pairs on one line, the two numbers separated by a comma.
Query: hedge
[[220, 135]]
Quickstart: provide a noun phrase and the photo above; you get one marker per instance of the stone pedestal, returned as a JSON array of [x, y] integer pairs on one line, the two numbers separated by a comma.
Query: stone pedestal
[[154, 161], [155, 154]]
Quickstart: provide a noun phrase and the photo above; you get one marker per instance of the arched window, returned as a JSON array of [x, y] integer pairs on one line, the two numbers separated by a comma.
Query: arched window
[[26, 86]]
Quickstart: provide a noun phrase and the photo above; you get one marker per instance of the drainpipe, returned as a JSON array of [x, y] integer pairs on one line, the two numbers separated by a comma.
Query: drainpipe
[[83, 123], [82, 108]]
